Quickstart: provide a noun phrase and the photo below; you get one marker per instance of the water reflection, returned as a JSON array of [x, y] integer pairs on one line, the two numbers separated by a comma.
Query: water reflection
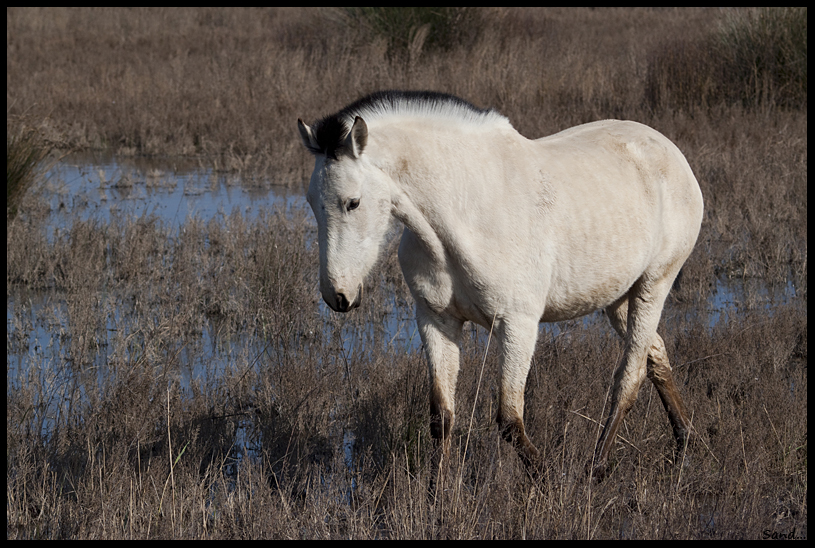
[[89, 185]]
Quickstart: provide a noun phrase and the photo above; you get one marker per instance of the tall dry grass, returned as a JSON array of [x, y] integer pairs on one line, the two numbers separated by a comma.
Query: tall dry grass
[[185, 383], [25, 154], [226, 83]]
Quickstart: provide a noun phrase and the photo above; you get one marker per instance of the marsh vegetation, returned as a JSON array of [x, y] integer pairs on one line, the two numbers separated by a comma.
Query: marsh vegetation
[[185, 381]]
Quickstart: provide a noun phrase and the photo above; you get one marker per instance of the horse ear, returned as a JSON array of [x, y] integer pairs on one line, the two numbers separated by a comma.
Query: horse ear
[[357, 138], [307, 136]]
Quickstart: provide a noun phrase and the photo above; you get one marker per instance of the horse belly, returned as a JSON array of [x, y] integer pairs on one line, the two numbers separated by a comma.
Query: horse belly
[[569, 303], [595, 272]]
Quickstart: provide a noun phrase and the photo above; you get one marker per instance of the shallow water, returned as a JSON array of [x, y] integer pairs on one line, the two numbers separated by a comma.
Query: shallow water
[[93, 185]]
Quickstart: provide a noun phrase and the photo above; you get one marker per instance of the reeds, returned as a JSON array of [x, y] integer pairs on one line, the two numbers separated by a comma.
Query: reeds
[[756, 58], [25, 152]]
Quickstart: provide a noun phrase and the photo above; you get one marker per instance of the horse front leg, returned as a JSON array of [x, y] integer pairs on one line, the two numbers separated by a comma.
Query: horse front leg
[[517, 339], [440, 335]]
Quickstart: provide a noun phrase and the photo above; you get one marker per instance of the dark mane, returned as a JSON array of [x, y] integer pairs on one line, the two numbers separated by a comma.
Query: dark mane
[[331, 130]]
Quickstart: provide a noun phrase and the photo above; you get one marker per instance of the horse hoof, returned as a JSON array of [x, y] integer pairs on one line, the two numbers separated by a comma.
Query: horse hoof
[[598, 474]]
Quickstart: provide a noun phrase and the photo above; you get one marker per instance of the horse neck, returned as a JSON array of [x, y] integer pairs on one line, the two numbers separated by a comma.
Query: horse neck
[[413, 217], [415, 204], [426, 184]]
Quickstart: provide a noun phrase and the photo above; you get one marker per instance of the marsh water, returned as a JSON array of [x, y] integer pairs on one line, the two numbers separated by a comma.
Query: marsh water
[[85, 185]]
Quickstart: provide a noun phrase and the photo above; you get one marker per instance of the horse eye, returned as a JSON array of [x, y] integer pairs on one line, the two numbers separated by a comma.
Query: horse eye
[[353, 203]]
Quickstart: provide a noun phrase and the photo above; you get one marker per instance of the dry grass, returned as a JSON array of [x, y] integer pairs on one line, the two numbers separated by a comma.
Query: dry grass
[[25, 153], [228, 84], [184, 383]]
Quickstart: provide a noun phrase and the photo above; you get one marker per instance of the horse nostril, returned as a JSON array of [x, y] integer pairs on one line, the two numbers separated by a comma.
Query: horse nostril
[[339, 301], [342, 303]]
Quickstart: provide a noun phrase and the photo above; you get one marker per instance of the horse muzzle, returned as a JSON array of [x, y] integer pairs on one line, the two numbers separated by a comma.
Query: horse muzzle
[[340, 301]]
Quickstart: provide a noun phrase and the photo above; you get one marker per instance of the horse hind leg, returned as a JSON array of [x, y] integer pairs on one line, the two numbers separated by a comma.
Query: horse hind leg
[[658, 370], [635, 317], [628, 378], [660, 373]]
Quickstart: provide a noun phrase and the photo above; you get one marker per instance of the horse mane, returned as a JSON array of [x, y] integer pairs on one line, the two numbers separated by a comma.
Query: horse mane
[[332, 130]]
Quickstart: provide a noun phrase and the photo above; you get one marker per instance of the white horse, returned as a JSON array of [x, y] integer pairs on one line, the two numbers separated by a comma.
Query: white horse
[[507, 232]]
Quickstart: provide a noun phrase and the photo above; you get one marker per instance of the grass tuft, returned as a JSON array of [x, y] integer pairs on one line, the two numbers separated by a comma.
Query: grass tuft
[[755, 58], [25, 152]]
